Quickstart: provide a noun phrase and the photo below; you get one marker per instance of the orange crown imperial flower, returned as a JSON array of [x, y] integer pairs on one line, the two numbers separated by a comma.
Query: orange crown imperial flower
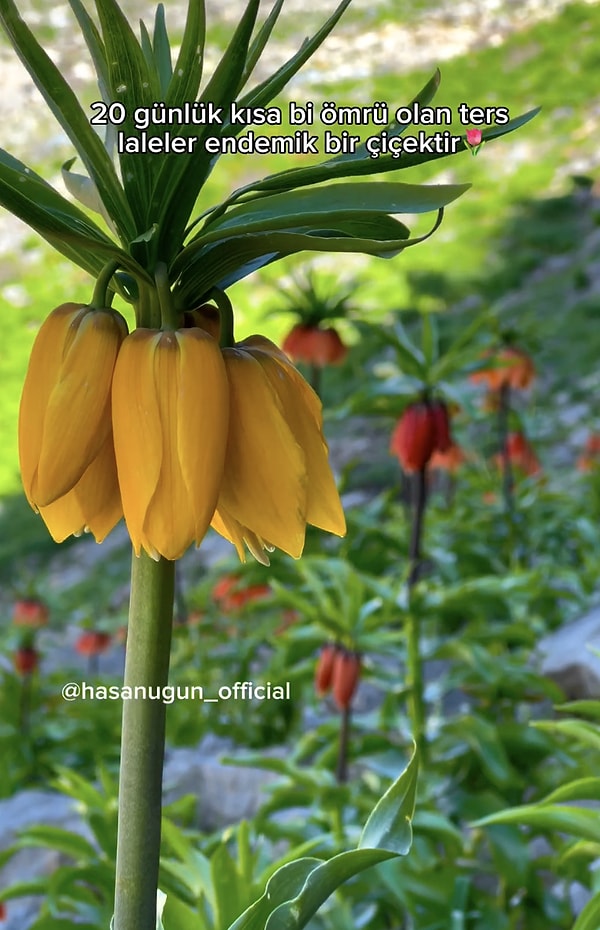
[[170, 402], [314, 345], [514, 369], [324, 669], [345, 677], [423, 428], [65, 434], [30, 612], [277, 477], [26, 660], [92, 642]]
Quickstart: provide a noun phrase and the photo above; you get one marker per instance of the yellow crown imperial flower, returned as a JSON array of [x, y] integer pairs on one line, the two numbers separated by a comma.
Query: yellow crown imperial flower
[[277, 476], [65, 432], [170, 418]]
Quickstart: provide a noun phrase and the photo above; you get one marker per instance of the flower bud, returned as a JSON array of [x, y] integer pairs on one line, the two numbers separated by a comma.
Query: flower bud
[[92, 643], [345, 677], [324, 670], [314, 346], [26, 660], [31, 613], [423, 429]]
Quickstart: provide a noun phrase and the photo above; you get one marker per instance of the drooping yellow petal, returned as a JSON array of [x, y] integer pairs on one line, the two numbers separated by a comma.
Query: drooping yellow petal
[[64, 517], [137, 429], [77, 419], [42, 374], [93, 505], [202, 423], [98, 493], [224, 524], [302, 410], [169, 523], [264, 480]]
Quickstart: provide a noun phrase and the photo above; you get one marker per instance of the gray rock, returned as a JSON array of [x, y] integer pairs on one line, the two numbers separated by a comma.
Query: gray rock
[[569, 656], [22, 810]]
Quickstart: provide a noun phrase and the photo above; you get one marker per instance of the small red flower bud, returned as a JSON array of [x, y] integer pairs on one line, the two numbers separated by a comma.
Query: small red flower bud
[[25, 660], [92, 643], [314, 346], [514, 368], [324, 671], [473, 136], [229, 594], [346, 673], [441, 426], [423, 428], [520, 454], [30, 612]]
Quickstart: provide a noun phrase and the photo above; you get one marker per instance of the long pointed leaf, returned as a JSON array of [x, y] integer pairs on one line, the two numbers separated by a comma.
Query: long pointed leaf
[[258, 45], [357, 196], [265, 92], [181, 179], [295, 178], [69, 113], [187, 75], [134, 84], [222, 261]]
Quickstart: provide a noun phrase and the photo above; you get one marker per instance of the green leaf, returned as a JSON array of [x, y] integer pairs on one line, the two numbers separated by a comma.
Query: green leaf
[[582, 789], [83, 189], [226, 887], [162, 51], [289, 208], [95, 45], [134, 84], [396, 128], [69, 113], [71, 844], [61, 223], [589, 918], [587, 734], [258, 44], [552, 818], [222, 263], [187, 75], [482, 737], [296, 891], [181, 178], [389, 826], [269, 88], [430, 339], [587, 708]]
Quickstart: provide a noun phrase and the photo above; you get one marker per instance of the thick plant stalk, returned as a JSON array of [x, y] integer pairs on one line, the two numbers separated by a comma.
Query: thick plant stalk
[[342, 762], [142, 743], [507, 475], [416, 704]]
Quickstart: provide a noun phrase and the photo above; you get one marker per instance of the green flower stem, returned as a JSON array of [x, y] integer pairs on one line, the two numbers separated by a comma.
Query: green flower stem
[[342, 763], [142, 744], [414, 661], [226, 316], [315, 378], [169, 317], [507, 475], [103, 293]]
